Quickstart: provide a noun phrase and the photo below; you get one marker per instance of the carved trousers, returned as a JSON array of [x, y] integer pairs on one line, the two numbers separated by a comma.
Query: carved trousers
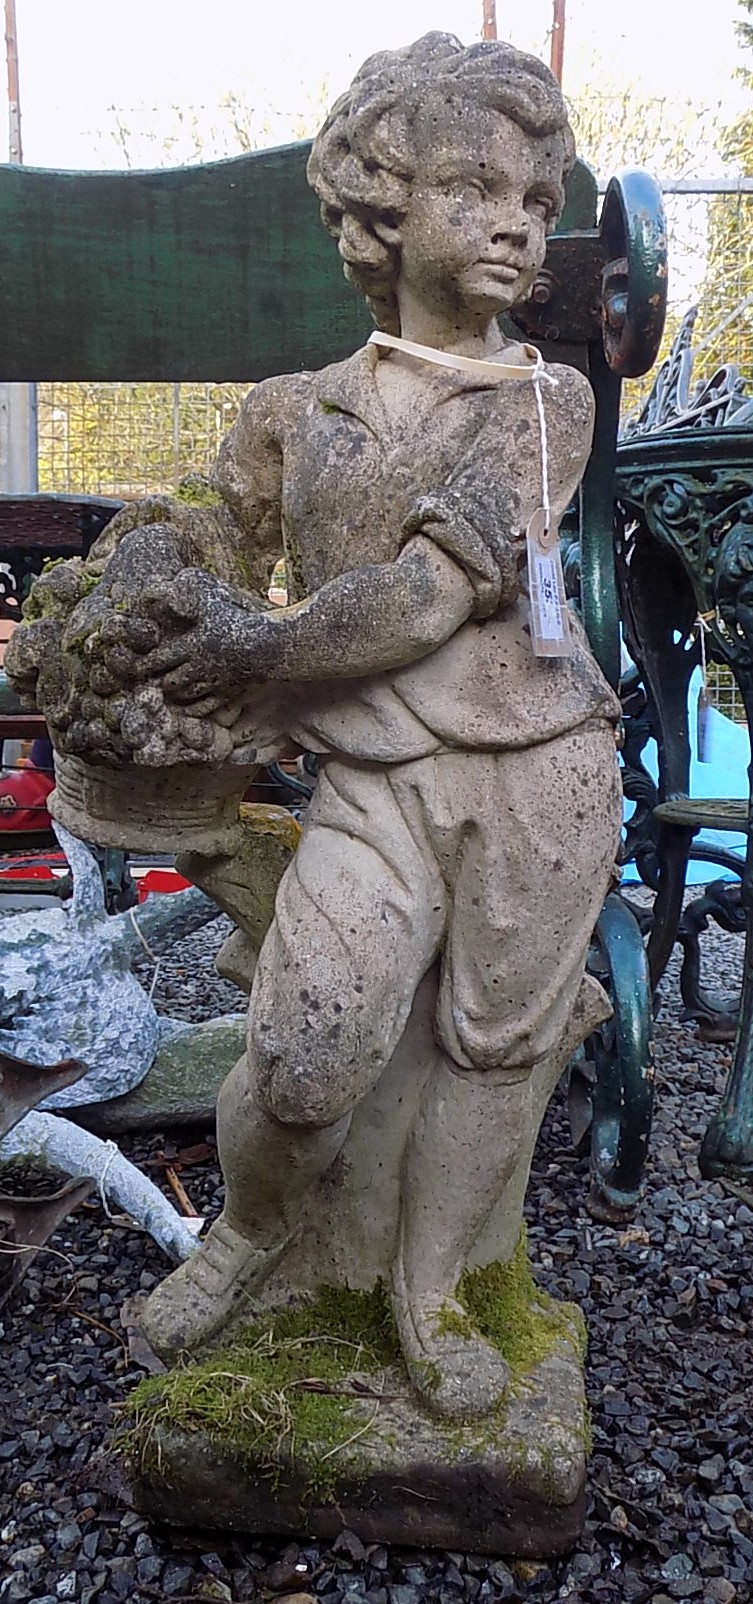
[[494, 865]]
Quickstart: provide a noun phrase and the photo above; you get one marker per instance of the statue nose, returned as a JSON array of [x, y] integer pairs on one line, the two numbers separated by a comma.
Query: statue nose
[[510, 226]]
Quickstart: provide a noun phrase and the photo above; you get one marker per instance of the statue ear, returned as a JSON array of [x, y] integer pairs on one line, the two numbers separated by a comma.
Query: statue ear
[[387, 229]]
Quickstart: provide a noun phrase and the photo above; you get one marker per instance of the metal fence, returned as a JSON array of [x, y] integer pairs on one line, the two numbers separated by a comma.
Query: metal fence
[[129, 439], [723, 692]]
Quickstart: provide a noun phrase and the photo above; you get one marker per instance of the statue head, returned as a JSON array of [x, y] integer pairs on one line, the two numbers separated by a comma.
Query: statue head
[[447, 164]]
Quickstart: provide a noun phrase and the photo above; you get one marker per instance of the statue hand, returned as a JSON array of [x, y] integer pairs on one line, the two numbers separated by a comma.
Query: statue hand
[[192, 635]]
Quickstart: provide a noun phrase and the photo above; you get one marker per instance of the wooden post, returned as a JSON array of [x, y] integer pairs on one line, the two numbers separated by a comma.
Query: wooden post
[[558, 40], [15, 152], [489, 26]]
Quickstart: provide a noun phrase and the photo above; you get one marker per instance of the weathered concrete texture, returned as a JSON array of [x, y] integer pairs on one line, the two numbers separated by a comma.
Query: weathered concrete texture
[[66, 990], [178, 809], [517, 1488], [180, 1088], [244, 882], [468, 803], [47, 1142]]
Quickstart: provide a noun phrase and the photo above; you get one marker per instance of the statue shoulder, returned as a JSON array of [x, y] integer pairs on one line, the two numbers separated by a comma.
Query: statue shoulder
[[573, 390], [271, 403]]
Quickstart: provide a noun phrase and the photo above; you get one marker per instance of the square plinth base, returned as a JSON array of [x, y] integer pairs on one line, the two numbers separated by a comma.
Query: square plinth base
[[511, 1486]]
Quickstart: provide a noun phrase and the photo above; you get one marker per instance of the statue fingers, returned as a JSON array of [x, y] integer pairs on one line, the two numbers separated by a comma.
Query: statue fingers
[[175, 602], [169, 655], [205, 706], [188, 684], [127, 629]]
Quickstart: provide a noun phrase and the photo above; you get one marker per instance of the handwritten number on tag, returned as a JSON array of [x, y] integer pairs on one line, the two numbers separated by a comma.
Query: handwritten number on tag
[[550, 618]]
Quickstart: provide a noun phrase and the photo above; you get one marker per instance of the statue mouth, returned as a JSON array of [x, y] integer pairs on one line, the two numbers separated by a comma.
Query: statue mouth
[[502, 270]]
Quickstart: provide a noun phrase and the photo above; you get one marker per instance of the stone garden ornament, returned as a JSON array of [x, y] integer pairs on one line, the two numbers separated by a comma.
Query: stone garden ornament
[[422, 984], [78, 1032]]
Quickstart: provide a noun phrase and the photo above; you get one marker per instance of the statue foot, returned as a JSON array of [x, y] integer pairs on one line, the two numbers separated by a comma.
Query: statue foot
[[200, 1303], [455, 1371]]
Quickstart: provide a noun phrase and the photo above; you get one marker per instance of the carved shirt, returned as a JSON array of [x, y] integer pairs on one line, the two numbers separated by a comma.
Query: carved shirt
[[316, 467]]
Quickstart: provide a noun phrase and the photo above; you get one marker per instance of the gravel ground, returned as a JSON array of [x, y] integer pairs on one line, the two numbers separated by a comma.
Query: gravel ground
[[670, 1372]]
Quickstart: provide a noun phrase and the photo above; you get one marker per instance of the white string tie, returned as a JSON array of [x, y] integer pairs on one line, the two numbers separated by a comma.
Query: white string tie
[[113, 1151], [148, 950]]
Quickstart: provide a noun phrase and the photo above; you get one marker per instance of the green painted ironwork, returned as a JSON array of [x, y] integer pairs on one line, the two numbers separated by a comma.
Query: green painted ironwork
[[598, 583], [622, 1051], [690, 494], [634, 285]]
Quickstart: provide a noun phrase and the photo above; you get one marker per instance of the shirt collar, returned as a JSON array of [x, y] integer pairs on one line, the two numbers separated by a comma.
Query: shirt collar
[[351, 387]]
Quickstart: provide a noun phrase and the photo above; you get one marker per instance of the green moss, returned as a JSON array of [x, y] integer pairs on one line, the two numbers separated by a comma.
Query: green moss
[[244, 575], [449, 1322], [284, 1387], [40, 603], [516, 1451], [196, 491], [296, 585], [509, 1309], [44, 602]]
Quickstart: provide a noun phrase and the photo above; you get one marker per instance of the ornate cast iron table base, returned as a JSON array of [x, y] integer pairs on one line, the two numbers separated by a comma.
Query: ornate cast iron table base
[[685, 554]]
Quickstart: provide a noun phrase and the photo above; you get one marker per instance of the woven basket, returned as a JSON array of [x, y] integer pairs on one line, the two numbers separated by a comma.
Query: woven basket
[[186, 808]]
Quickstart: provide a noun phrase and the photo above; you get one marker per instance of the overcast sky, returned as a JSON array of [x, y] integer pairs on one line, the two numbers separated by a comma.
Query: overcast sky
[[78, 58]]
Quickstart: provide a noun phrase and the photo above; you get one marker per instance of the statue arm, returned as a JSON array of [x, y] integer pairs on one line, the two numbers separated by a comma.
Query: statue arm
[[363, 622]]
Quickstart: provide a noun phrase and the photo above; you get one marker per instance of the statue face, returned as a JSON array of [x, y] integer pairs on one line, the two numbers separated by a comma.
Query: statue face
[[484, 195]]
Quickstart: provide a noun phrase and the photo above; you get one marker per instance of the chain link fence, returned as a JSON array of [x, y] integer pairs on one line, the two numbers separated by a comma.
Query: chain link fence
[[129, 440]]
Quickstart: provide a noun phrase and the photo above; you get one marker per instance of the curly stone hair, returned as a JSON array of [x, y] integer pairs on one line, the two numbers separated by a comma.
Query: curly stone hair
[[364, 157]]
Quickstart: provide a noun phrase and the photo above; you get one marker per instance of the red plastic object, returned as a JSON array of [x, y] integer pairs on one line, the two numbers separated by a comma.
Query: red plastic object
[[39, 871], [160, 880]]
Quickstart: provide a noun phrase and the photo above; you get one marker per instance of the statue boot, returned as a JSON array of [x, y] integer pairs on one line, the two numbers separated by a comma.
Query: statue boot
[[269, 1168], [469, 1153]]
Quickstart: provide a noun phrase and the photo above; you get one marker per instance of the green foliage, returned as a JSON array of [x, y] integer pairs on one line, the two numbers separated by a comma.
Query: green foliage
[[615, 126], [235, 124]]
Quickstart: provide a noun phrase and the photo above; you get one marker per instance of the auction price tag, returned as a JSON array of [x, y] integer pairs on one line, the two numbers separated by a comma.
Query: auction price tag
[[550, 617]]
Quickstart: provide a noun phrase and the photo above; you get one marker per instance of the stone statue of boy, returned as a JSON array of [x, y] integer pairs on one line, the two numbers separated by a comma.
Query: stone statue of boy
[[468, 804]]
